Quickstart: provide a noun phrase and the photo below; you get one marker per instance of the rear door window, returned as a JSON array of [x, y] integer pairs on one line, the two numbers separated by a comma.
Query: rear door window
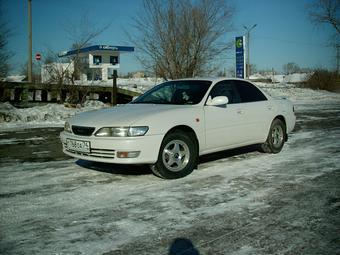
[[248, 92]]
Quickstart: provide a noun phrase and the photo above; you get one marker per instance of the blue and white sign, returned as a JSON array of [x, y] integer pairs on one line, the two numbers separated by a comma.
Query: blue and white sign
[[240, 57], [93, 48]]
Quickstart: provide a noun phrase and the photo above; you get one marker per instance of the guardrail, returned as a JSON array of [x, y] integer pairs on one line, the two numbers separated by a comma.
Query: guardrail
[[38, 92]]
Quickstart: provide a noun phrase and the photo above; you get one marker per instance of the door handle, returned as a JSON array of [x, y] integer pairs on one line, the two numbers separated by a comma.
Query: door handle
[[240, 111]]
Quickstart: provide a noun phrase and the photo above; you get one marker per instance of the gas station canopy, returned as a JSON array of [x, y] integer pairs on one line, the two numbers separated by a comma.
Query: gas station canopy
[[96, 48]]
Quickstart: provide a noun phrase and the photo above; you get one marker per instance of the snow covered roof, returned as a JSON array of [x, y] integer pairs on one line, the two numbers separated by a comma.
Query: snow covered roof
[[93, 48]]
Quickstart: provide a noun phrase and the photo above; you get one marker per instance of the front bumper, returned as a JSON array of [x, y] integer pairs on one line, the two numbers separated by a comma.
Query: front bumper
[[105, 149]]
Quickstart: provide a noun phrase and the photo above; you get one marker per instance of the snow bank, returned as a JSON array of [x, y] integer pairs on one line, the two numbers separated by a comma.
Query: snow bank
[[123, 82], [134, 84], [14, 78], [138, 84], [289, 78], [139, 81], [296, 77], [47, 115], [299, 95]]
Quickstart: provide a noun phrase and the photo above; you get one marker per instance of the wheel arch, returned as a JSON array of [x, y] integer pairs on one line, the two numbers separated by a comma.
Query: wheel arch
[[159, 169], [185, 129]]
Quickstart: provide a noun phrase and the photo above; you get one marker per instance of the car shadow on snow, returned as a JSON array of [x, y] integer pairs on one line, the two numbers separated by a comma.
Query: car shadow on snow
[[242, 151], [135, 170], [119, 169]]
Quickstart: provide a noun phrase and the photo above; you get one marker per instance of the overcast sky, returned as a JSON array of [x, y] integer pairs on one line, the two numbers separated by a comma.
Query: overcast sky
[[283, 33]]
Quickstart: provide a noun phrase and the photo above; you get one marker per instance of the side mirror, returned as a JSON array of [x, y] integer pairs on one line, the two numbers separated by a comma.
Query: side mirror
[[218, 101]]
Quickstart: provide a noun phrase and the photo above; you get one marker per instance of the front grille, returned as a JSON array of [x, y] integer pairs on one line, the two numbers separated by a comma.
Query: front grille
[[102, 153], [84, 131], [98, 153]]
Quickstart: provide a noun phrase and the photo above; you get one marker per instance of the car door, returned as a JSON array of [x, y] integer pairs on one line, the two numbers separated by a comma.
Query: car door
[[224, 125], [256, 112]]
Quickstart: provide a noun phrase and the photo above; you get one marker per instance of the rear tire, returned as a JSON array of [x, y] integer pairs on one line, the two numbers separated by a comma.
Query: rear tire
[[178, 156], [276, 137]]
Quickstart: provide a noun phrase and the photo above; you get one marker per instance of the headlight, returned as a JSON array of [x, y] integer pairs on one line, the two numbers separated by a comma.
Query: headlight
[[112, 131], [137, 131], [121, 131], [67, 127]]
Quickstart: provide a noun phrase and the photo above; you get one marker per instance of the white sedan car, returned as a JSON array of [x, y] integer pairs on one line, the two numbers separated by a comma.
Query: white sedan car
[[174, 123]]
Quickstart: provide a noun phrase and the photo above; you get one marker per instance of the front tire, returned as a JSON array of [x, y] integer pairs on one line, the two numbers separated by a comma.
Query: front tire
[[276, 137], [178, 156]]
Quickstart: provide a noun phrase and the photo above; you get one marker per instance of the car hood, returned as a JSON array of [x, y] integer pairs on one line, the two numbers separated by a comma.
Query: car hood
[[123, 115]]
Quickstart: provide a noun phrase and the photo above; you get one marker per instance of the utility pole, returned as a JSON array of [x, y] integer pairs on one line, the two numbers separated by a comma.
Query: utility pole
[[337, 58], [248, 72], [29, 67]]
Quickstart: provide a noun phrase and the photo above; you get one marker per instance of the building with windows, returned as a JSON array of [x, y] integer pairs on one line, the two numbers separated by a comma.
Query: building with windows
[[96, 62]]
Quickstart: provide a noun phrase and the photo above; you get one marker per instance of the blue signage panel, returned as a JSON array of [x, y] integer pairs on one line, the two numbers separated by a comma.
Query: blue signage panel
[[240, 61], [92, 48]]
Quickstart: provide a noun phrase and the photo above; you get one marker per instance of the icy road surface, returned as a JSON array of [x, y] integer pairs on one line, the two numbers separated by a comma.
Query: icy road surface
[[238, 202]]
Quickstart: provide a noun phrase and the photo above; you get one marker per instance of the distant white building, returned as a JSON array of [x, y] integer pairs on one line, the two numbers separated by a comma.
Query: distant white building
[[101, 60]]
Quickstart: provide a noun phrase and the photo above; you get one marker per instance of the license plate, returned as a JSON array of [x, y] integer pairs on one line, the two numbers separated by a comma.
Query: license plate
[[79, 146]]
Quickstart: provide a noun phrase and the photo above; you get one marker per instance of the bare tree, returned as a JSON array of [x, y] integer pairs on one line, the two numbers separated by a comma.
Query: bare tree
[[58, 72], [180, 38], [82, 35], [4, 52], [291, 68], [54, 71], [326, 11]]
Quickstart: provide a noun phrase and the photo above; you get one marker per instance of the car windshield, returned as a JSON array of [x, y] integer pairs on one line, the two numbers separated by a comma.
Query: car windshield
[[182, 92]]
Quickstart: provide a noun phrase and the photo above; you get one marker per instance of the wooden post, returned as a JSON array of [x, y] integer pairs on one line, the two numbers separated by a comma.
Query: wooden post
[[114, 88]]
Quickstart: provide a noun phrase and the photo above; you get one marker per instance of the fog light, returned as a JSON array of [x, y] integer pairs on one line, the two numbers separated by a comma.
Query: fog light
[[128, 154]]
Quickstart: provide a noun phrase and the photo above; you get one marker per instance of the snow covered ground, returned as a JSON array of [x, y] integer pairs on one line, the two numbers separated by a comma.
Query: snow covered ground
[[282, 78], [238, 202]]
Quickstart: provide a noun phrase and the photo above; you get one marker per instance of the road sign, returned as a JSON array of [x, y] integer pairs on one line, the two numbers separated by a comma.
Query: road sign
[[38, 56], [240, 56]]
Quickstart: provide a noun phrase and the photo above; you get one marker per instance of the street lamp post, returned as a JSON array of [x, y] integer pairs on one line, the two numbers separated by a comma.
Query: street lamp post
[[248, 42], [29, 64], [337, 58]]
